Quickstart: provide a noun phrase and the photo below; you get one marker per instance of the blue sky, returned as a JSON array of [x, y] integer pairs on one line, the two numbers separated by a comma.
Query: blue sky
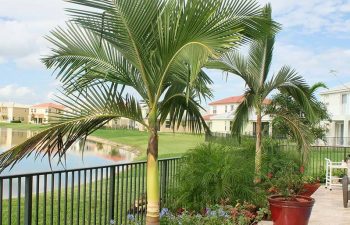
[[315, 40]]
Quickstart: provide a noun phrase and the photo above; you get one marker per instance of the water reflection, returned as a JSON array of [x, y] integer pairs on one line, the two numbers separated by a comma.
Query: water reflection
[[94, 154]]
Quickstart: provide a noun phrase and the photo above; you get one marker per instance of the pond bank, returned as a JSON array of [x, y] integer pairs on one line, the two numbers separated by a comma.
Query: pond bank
[[115, 144]]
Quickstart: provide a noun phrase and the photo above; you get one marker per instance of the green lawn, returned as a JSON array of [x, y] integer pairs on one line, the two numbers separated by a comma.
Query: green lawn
[[22, 126], [170, 144]]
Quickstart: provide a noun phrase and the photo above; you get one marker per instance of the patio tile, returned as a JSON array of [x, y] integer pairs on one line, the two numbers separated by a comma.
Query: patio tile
[[328, 208]]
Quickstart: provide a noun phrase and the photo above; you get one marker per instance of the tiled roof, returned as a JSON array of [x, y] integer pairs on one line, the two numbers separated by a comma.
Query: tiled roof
[[234, 99], [207, 117], [49, 105]]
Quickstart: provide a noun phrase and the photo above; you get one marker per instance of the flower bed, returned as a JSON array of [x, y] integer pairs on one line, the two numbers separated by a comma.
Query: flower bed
[[241, 214]]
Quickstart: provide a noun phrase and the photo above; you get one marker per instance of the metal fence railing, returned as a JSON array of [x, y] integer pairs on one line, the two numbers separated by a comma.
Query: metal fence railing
[[316, 164], [96, 195]]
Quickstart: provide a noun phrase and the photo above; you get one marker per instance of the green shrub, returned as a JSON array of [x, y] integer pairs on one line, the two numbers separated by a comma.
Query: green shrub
[[212, 173]]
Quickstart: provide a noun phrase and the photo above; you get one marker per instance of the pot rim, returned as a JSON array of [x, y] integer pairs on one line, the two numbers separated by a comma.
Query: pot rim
[[274, 201]]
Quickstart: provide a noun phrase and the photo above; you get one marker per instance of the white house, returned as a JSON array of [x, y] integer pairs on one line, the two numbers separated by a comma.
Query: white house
[[221, 114], [337, 101]]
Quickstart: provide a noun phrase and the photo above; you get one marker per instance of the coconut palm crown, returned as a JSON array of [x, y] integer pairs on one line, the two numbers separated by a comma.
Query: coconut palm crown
[[157, 49], [254, 69]]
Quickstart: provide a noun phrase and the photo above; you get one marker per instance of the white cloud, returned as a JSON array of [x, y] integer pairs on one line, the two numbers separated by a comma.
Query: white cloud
[[312, 15], [13, 92], [313, 65], [23, 25]]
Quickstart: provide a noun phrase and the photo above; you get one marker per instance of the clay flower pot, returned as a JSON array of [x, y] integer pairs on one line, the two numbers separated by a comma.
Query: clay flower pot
[[309, 189], [295, 210]]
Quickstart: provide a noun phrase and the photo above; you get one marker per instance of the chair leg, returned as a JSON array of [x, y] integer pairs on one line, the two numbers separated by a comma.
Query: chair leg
[[345, 187]]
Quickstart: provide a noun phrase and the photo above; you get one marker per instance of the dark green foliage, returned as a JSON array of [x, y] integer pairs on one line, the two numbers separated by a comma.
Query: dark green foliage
[[276, 158], [283, 102], [213, 172]]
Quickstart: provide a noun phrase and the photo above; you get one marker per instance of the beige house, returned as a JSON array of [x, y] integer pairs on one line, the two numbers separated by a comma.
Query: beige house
[[221, 114], [44, 113], [13, 112]]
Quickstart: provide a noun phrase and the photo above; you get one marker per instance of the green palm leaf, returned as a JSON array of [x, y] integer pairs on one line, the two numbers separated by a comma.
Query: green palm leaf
[[84, 113]]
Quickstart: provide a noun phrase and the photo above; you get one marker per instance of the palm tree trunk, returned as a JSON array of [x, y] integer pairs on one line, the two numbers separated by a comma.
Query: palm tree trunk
[[258, 153], [152, 216]]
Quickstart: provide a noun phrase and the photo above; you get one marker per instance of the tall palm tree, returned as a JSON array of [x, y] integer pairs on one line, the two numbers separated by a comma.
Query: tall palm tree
[[254, 70], [156, 48]]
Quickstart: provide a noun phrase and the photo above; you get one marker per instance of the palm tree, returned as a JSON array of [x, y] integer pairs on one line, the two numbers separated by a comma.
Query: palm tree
[[254, 70], [156, 48]]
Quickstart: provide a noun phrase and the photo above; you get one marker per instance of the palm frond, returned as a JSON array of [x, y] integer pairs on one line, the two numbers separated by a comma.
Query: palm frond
[[288, 81], [242, 113], [85, 112], [300, 131]]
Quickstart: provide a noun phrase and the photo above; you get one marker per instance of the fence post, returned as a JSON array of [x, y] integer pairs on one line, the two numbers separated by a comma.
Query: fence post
[[164, 181], [1, 190], [111, 194], [28, 200]]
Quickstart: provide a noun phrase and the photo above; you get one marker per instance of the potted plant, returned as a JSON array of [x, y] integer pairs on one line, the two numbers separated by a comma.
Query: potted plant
[[310, 186], [288, 207]]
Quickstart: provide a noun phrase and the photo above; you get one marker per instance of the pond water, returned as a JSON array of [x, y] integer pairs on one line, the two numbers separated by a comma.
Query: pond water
[[94, 154]]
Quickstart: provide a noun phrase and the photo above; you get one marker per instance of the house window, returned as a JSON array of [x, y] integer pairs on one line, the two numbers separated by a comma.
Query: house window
[[232, 107], [210, 125], [344, 100], [167, 124], [214, 109], [225, 108]]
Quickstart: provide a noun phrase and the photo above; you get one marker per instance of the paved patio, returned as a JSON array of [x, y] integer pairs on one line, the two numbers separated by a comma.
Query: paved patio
[[328, 208]]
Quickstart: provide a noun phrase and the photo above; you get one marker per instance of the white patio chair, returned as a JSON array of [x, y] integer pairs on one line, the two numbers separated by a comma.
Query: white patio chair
[[330, 166]]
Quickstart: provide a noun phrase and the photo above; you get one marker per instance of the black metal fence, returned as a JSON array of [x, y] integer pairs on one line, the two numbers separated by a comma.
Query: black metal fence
[[316, 166], [96, 195]]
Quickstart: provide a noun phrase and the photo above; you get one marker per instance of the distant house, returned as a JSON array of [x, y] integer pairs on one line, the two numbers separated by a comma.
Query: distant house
[[13, 112], [337, 101], [44, 113], [221, 114]]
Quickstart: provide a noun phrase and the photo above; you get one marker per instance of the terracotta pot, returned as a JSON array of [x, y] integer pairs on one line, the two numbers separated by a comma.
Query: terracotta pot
[[294, 211], [309, 189]]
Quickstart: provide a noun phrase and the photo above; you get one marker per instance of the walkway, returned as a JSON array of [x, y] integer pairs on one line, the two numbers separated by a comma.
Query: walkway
[[328, 208]]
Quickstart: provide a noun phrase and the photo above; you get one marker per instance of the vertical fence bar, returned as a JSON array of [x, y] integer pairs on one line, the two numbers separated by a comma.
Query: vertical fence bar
[[37, 200], [45, 196], [28, 200], [10, 202], [19, 179], [72, 199], [1, 191], [121, 196], [117, 195], [95, 199], [84, 197], [106, 197], [101, 190], [78, 202], [59, 199], [65, 196], [90, 197], [111, 194], [52, 197]]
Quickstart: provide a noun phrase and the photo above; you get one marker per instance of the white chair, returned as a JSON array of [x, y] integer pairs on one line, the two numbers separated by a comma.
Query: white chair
[[330, 166]]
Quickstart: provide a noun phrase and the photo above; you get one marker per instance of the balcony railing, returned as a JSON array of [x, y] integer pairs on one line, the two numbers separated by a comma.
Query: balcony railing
[[95, 195]]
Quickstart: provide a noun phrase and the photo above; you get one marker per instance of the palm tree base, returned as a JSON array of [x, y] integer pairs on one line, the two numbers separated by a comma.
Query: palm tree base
[[152, 220]]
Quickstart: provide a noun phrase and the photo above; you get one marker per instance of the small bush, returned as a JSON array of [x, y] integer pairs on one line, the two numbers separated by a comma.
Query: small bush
[[212, 173]]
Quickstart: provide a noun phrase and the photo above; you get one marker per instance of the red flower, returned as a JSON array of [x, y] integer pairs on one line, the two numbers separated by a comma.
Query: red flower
[[269, 175]]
